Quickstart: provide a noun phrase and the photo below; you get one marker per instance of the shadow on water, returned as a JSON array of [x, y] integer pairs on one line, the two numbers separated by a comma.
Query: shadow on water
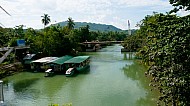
[[22, 85], [86, 71]]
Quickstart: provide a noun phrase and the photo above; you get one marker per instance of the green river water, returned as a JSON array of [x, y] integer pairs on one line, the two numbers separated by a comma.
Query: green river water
[[112, 80]]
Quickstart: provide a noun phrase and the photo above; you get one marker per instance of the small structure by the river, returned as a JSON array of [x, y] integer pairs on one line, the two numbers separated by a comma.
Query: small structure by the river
[[28, 59], [41, 64]]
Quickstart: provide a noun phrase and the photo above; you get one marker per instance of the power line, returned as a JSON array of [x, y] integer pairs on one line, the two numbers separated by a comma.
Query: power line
[[5, 11], [2, 25]]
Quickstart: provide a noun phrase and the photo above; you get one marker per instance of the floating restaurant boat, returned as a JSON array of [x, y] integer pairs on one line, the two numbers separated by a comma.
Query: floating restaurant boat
[[64, 65], [58, 65], [80, 63], [40, 64]]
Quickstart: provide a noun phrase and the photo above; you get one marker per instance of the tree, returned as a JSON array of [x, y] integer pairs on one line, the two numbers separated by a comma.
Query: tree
[[166, 51], [180, 4], [19, 31], [84, 33], [46, 19], [70, 23]]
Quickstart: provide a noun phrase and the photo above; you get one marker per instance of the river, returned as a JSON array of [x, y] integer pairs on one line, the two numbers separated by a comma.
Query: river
[[114, 79]]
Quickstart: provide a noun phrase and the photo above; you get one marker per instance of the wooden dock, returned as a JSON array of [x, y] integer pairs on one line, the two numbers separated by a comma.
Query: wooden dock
[[5, 51]]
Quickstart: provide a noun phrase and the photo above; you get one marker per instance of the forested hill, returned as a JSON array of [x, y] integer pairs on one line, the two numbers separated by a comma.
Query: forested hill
[[93, 26]]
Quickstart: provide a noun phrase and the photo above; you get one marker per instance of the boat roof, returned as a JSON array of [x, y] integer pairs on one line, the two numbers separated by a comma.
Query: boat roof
[[29, 56], [61, 60], [45, 60], [77, 59]]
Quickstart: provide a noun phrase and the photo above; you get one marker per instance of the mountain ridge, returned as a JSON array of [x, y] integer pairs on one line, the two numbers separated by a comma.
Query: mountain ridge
[[92, 26]]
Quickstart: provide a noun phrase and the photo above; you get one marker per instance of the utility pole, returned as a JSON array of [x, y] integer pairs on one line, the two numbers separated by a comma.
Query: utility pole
[[129, 29], [1, 93]]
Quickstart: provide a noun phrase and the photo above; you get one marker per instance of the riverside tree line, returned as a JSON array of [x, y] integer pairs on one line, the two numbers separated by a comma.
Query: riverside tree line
[[163, 43], [55, 40]]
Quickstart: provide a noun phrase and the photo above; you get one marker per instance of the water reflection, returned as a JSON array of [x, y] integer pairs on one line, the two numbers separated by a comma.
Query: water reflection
[[135, 72], [128, 55]]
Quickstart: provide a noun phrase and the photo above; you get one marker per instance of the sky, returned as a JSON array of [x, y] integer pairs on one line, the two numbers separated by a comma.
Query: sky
[[110, 12]]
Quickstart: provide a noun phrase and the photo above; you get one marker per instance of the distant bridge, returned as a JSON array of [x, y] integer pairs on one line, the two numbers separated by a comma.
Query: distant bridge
[[102, 42], [95, 45]]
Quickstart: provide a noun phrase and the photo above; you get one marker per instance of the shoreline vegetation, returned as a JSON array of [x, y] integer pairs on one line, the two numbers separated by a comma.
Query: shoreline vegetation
[[162, 42]]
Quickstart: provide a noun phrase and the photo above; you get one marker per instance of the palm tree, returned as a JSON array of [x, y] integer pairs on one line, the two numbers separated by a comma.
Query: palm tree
[[46, 19], [70, 23]]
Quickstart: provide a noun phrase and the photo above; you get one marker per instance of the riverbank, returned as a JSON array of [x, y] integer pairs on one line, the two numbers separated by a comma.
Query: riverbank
[[10, 69]]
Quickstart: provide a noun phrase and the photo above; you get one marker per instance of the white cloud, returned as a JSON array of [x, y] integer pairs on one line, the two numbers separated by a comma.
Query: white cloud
[[183, 13], [29, 12], [137, 3]]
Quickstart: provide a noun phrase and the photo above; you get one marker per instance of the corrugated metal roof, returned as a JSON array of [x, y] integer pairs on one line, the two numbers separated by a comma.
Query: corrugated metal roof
[[77, 59], [61, 60], [45, 60]]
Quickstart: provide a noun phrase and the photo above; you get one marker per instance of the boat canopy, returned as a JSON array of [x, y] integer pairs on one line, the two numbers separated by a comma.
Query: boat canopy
[[61, 60], [45, 60], [77, 59]]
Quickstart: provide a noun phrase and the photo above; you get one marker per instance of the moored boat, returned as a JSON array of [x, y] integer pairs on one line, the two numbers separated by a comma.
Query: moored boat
[[40, 65], [49, 73], [70, 72], [81, 63]]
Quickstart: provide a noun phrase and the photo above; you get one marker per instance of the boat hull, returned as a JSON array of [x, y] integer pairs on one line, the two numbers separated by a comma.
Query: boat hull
[[70, 72], [82, 69]]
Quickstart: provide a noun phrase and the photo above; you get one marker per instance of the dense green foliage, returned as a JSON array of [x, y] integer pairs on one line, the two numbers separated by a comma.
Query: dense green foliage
[[134, 41], [180, 4], [163, 43], [55, 40], [167, 51]]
